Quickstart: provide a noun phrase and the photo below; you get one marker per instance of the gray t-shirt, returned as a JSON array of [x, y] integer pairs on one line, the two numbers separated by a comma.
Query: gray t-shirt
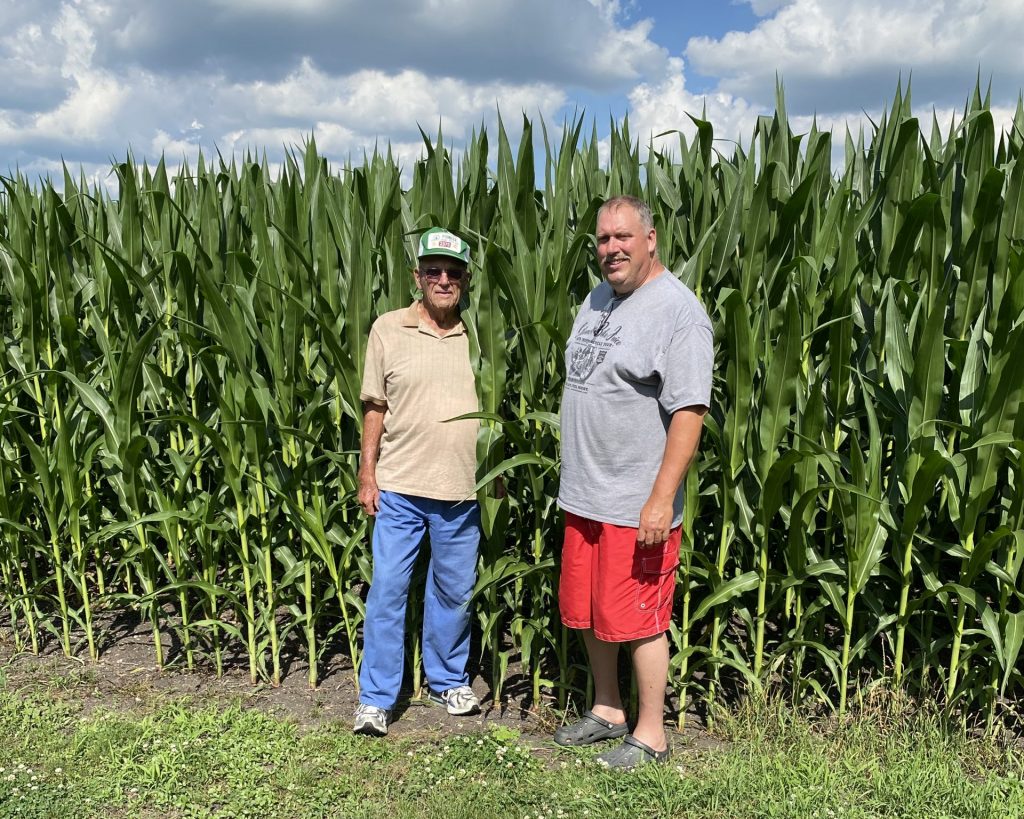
[[631, 362]]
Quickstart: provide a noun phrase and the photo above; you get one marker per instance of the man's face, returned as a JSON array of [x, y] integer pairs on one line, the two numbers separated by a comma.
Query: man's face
[[625, 250], [442, 280]]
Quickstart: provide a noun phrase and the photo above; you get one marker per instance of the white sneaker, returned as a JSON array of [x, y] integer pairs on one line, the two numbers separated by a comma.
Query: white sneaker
[[460, 701], [371, 720]]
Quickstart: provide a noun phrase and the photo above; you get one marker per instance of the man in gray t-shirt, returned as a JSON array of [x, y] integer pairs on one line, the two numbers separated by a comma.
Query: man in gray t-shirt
[[638, 383]]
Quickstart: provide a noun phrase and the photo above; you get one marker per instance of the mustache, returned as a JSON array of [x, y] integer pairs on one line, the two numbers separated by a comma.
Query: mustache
[[615, 258]]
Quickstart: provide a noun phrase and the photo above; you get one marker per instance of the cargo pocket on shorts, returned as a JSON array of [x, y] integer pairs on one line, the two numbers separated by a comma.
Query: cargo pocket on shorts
[[656, 581]]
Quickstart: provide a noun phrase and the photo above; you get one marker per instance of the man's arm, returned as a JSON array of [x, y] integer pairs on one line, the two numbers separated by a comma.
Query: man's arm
[[373, 429], [680, 447]]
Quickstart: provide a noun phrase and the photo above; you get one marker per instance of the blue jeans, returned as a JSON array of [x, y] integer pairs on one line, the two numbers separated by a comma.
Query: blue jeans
[[454, 530]]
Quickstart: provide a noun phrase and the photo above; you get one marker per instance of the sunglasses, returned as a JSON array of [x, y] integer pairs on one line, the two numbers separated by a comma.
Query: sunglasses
[[433, 274]]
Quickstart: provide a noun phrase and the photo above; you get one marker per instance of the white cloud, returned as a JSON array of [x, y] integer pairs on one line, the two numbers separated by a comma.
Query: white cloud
[[76, 38], [629, 52], [574, 41], [665, 107], [380, 103], [87, 113], [86, 79], [25, 49], [163, 144], [9, 129], [30, 63], [834, 55], [610, 10], [668, 105], [95, 96], [89, 99]]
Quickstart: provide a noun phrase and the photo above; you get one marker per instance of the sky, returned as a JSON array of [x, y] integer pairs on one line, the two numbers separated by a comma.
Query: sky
[[84, 81]]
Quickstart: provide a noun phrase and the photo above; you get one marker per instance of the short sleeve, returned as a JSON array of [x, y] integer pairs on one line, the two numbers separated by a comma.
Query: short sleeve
[[373, 372], [686, 369]]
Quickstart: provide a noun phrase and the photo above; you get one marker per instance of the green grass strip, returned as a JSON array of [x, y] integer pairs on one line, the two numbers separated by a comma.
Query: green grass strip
[[188, 759]]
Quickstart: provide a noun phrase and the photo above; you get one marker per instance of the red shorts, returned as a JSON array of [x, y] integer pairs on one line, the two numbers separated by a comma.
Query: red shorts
[[612, 585]]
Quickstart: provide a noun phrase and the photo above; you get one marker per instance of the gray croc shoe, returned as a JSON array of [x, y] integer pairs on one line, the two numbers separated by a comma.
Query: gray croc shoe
[[631, 754], [588, 729]]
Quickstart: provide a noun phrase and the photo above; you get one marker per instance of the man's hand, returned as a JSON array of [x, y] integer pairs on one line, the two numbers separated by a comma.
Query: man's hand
[[655, 522], [369, 495], [680, 446], [373, 429]]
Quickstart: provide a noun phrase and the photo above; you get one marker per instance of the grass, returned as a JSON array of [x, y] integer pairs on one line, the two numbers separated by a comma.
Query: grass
[[184, 758]]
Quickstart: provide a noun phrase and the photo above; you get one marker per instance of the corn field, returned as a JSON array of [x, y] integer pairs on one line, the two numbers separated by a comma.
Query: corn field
[[179, 413]]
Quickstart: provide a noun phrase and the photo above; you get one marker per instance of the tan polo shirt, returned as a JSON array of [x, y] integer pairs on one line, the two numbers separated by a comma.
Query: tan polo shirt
[[424, 379]]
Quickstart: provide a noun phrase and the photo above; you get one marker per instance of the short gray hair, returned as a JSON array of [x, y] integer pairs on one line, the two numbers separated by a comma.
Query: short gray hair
[[639, 206]]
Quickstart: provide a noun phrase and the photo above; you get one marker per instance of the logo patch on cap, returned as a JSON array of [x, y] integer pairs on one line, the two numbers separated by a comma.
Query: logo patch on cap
[[444, 241]]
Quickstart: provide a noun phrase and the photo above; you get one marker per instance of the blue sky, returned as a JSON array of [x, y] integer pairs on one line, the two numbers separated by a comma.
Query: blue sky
[[85, 79], [676, 22]]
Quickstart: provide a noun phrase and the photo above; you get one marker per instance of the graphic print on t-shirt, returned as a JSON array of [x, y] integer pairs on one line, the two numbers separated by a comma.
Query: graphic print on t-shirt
[[589, 345]]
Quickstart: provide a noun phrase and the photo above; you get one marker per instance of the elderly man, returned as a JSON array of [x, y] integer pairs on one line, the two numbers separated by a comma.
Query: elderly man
[[638, 383], [417, 475]]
